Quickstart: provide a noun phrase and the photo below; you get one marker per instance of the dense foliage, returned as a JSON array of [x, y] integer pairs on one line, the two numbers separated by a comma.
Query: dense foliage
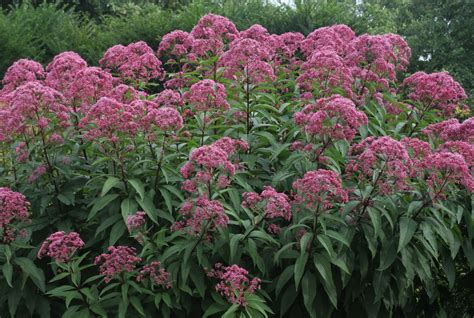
[[234, 173]]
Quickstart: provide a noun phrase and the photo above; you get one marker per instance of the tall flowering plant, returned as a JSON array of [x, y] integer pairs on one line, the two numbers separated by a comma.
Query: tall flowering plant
[[234, 173]]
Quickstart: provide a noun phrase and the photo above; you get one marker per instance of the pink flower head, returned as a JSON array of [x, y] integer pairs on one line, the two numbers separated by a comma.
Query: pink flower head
[[176, 44], [20, 73], [60, 246], [136, 221], [136, 62], [284, 48], [319, 188], [231, 146], [247, 59], [89, 85], [275, 204], [13, 212], [386, 156], [207, 95], [255, 32], [333, 118], [37, 106], [334, 37], [202, 216], [418, 150], [445, 168], [234, 283], [107, 118], [463, 148], [436, 90], [37, 173], [377, 58], [212, 33], [158, 275], [325, 72], [63, 69], [165, 118], [169, 98], [118, 260], [125, 94]]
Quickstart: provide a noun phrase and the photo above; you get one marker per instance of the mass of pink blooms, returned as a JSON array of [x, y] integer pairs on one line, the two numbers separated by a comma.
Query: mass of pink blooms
[[201, 105], [136, 221], [61, 246], [13, 213], [118, 260], [158, 275], [234, 283], [201, 217], [319, 189], [275, 204], [387, 155]]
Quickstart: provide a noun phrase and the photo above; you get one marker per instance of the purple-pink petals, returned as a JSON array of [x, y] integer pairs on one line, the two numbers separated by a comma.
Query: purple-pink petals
[[319, 189], [61, 246], [136, 221], [13, 212], [273, 203], [333, 118], [118, 260], [234, 283], [135, 62], [202, 217], [20, 73], [62, 70], [158, 275], [207, 95]]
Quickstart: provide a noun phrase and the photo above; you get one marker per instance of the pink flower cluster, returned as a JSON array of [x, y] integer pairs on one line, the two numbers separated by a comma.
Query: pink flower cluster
[[206, 96], [62, 70], [332, 118], [247, 60], [169, 98], [452, 130], [136, 221], [107, 118], [118, 260], [319, 189], [234, 283], [205, 163], [89, 85], [383, 156], [135, 62], [158, 275], [175, 45], [325, 72], [34, 106], [274, 204], [211, 34], [445, 168], [20, 73], [60, 246], [202, 217], [436, 90], [13, 212]]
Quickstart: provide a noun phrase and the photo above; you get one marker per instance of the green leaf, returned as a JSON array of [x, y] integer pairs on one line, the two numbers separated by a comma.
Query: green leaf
[[326, 243], [230, 312], [309, 287], [7, 270], [323, 266], [100, 204], [28, 267], [233, 246], [284, 278], [118, 230], [138, 186], [299, 267], [137, 305], [376, 221], [407, 229], [109, 184], [128, 207]]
